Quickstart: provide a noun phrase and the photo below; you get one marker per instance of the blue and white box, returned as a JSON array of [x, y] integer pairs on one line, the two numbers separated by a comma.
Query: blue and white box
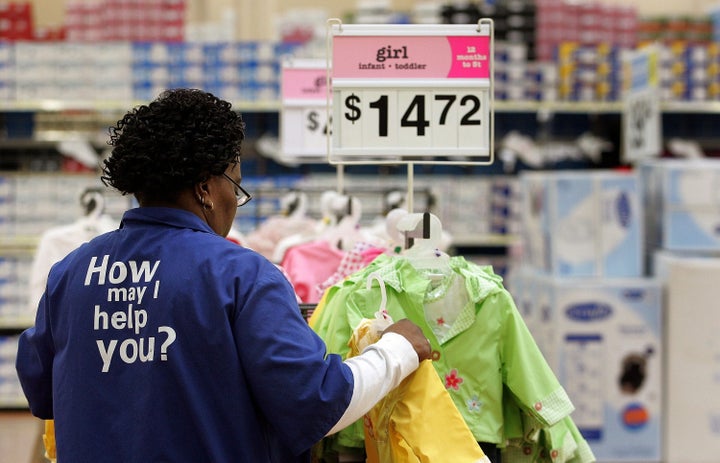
[[692, 359], [583, 223], [685, 199], [607, 354]]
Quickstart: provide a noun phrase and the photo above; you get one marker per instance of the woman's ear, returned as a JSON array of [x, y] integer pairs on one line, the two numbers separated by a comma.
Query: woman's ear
[[201, 191]]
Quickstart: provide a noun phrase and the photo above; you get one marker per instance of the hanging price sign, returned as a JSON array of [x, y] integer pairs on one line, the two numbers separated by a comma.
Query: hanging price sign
[[642, 120], [304, 127], [415, 92]]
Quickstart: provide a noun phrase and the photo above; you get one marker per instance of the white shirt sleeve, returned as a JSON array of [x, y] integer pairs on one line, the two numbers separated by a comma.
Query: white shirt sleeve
[[378, 370]]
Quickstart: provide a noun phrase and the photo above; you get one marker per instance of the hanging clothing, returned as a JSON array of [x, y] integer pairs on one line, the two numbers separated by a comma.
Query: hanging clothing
[[309, 264], [265, 238], [559, 443], [416, 422], [361, 254], [56, 242], [482, 349]]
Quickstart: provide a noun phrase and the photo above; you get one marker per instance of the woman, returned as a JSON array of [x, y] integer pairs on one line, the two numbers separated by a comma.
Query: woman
[[163, 341]]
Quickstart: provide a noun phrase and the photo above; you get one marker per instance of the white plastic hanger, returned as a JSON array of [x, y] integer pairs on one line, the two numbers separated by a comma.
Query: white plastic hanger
[[347, 210], [423, 234], [93, 203], [382, 310], [294, 204]]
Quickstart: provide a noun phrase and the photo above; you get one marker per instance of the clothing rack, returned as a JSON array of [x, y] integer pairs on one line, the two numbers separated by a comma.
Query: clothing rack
[[375, 200], [306, 310]]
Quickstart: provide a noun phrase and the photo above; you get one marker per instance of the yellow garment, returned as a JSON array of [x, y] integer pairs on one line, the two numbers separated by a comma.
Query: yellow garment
[[417, 421], [318, 309], [49, 440]]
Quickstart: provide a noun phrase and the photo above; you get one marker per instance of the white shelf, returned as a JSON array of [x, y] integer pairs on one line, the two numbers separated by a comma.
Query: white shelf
[[470, 240], [505, 106], [19, 242], [7, 404], [16, 323], [114, 105], [601, 107], [596, 107]]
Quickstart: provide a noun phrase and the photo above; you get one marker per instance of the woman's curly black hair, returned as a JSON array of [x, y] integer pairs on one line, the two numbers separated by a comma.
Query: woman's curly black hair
[[182, 138]]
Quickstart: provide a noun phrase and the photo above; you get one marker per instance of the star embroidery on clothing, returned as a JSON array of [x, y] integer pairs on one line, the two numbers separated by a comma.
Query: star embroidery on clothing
[[474, 404], [440, 321], [453, 380]]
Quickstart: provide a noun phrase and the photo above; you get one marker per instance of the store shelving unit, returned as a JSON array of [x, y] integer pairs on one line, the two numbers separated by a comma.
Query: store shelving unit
[[509, 113]]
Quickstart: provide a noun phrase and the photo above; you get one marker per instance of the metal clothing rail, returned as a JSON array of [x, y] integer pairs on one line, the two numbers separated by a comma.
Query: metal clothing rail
[[306, 310], [375, 200]]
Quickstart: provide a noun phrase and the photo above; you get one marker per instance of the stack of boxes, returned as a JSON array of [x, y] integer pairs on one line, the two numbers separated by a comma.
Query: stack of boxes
[[72, 71], [541, 81], [692, 407], [545, 50], [668, 29], [683, 219], [462, 12], [519, 79], [7, 71], [584, 41], [583, 223], [11, 394], [594, 315], [222, 68], [16, 21], [514, 22], [584, 23], [689, 71], [128, 20], [14, 283], [589, 72], [32, 203], [260, 69], [126, 71], [714, 19], [510, 71], [683, 206], [713, 71], [690, 59], [496, 217], [149, 69]]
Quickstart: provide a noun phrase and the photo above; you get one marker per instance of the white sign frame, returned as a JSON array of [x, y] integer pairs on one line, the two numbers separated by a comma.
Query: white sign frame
[[397, 95], [300, 142]]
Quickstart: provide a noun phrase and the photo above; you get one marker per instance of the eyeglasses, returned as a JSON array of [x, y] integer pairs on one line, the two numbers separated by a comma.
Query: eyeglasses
[[241, 195]]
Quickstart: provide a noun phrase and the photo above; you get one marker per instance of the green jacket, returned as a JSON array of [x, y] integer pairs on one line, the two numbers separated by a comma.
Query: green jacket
[[482, 349]]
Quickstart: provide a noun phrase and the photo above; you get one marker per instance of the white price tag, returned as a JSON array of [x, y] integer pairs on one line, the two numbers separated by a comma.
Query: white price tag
[[642, 118], [419, 121], [316, 128]]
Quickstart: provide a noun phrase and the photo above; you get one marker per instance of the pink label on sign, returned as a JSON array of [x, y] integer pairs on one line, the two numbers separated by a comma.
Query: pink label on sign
[[470, 57], [305, 84], [411, 57]]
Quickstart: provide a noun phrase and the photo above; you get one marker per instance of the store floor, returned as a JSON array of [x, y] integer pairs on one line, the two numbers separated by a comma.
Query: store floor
[[20, 438]]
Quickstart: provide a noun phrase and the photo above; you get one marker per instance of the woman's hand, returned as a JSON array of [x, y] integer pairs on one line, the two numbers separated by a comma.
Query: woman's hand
[[414, 334]]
